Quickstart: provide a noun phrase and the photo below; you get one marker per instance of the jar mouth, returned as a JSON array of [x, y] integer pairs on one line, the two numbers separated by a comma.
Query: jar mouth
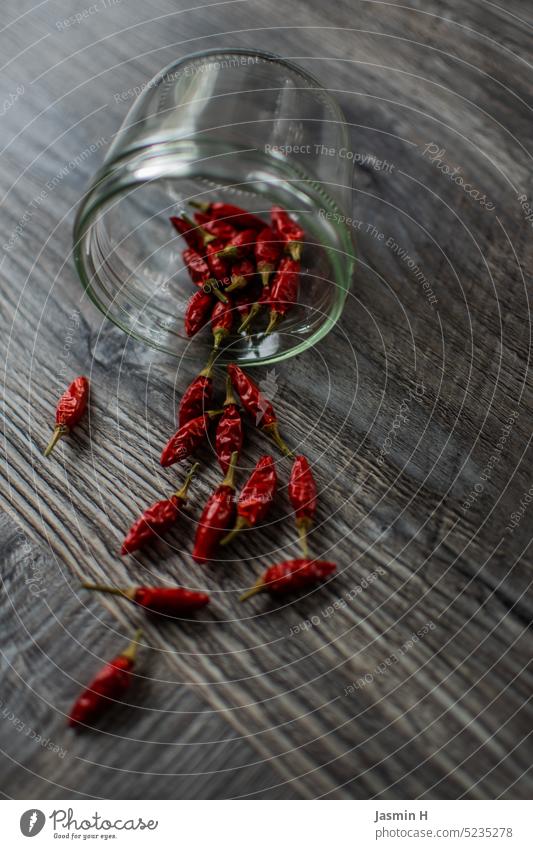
[[127, 253]]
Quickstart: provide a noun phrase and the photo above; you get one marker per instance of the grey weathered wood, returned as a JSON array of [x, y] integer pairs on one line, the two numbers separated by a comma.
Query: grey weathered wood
[[450, 717]]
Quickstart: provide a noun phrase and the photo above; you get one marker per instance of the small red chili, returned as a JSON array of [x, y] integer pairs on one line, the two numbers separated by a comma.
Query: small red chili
[[242, 273], [157, 518], [241, 244], [257, 306], [257, 406], [237, 216], [289, 231], [196, 399], [107, 687], [267, 253], [229, 430], [198, 311], [291, 576], [218, 267], [187, 439], [216, 517], [196, 266], [283, 291], [221, 323], [196, 237], [256, 497], [70, 408], [165, 601], [218, 229], [303, 497]]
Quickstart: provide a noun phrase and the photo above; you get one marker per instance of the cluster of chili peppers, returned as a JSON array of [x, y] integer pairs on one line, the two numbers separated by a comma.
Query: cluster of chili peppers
[[240, 266], [235, 258]]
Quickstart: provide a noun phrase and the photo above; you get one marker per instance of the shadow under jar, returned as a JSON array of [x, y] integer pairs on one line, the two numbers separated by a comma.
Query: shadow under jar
[[244, 127]]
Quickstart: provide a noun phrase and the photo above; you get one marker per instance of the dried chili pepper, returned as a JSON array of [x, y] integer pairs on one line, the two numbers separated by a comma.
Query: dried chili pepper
[[303, 497], [228, 437], [196, 237], [291, 576], [174, 601], [241, 244], [257, 406], [198, 311], [196, 266], [106, 688], [221, 323], [216, 517], [187, 439], [70, 408], [237, 216], [242, 272], [196, 399], [255, 309], [267, 253], [218, 267], [283, 291], [218, 229], [290, 232], [256, 497], [157, 518], [243, 305]]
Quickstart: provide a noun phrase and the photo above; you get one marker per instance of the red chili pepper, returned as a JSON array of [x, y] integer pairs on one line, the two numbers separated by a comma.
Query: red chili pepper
[[256, 497], [106, 688], [237, 216], [164, 601], [221, 323], [187, 439], [196, 266], [218, 229], [241, 244], [283, 291], [267, 253], [255, 403], [291, 576], [291, 232], [217, 516], [199, 308], [157, 518], [70, 408], [196, 237], [229, 430], [303, 496], [196, 399], [243, 305], [242, 273], [218, 267]]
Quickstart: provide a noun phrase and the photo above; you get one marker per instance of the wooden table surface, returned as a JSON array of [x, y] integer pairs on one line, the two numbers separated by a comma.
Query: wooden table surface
[[409, 675]]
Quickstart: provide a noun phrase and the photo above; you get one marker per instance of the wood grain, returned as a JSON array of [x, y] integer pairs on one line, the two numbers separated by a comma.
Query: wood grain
[[253, 702]]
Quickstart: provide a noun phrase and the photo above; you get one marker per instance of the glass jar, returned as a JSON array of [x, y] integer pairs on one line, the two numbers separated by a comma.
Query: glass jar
[[244, 127]]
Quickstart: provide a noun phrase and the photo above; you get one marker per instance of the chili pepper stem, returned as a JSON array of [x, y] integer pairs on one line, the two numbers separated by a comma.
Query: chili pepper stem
[[304, 526], [258, 587], [230, 395], [202, 205], [265, 273], [220, 295], [207, 370], [103, 588], [206, 237], [218, 336], [182, 492], [295, 250], [59, 431], [273, 431], [249, 318], [237, 282], [240, 524], [229, 480], [273, 322], [131, 650]]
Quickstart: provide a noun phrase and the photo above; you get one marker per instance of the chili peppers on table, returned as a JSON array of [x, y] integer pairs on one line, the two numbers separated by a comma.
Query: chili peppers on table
[[228, 437], [256, 497], [303, 497], [291, 576], [217, 516], [196, 400], [157, 518], [259, 407], [165, 601], [187, 439], [70, 408], [107, 687]]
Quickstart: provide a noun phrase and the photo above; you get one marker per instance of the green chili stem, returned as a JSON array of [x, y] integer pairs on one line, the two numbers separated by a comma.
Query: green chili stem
[[131, 650], [59, 431], [240, 524], [258, 587], [182, 492]]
